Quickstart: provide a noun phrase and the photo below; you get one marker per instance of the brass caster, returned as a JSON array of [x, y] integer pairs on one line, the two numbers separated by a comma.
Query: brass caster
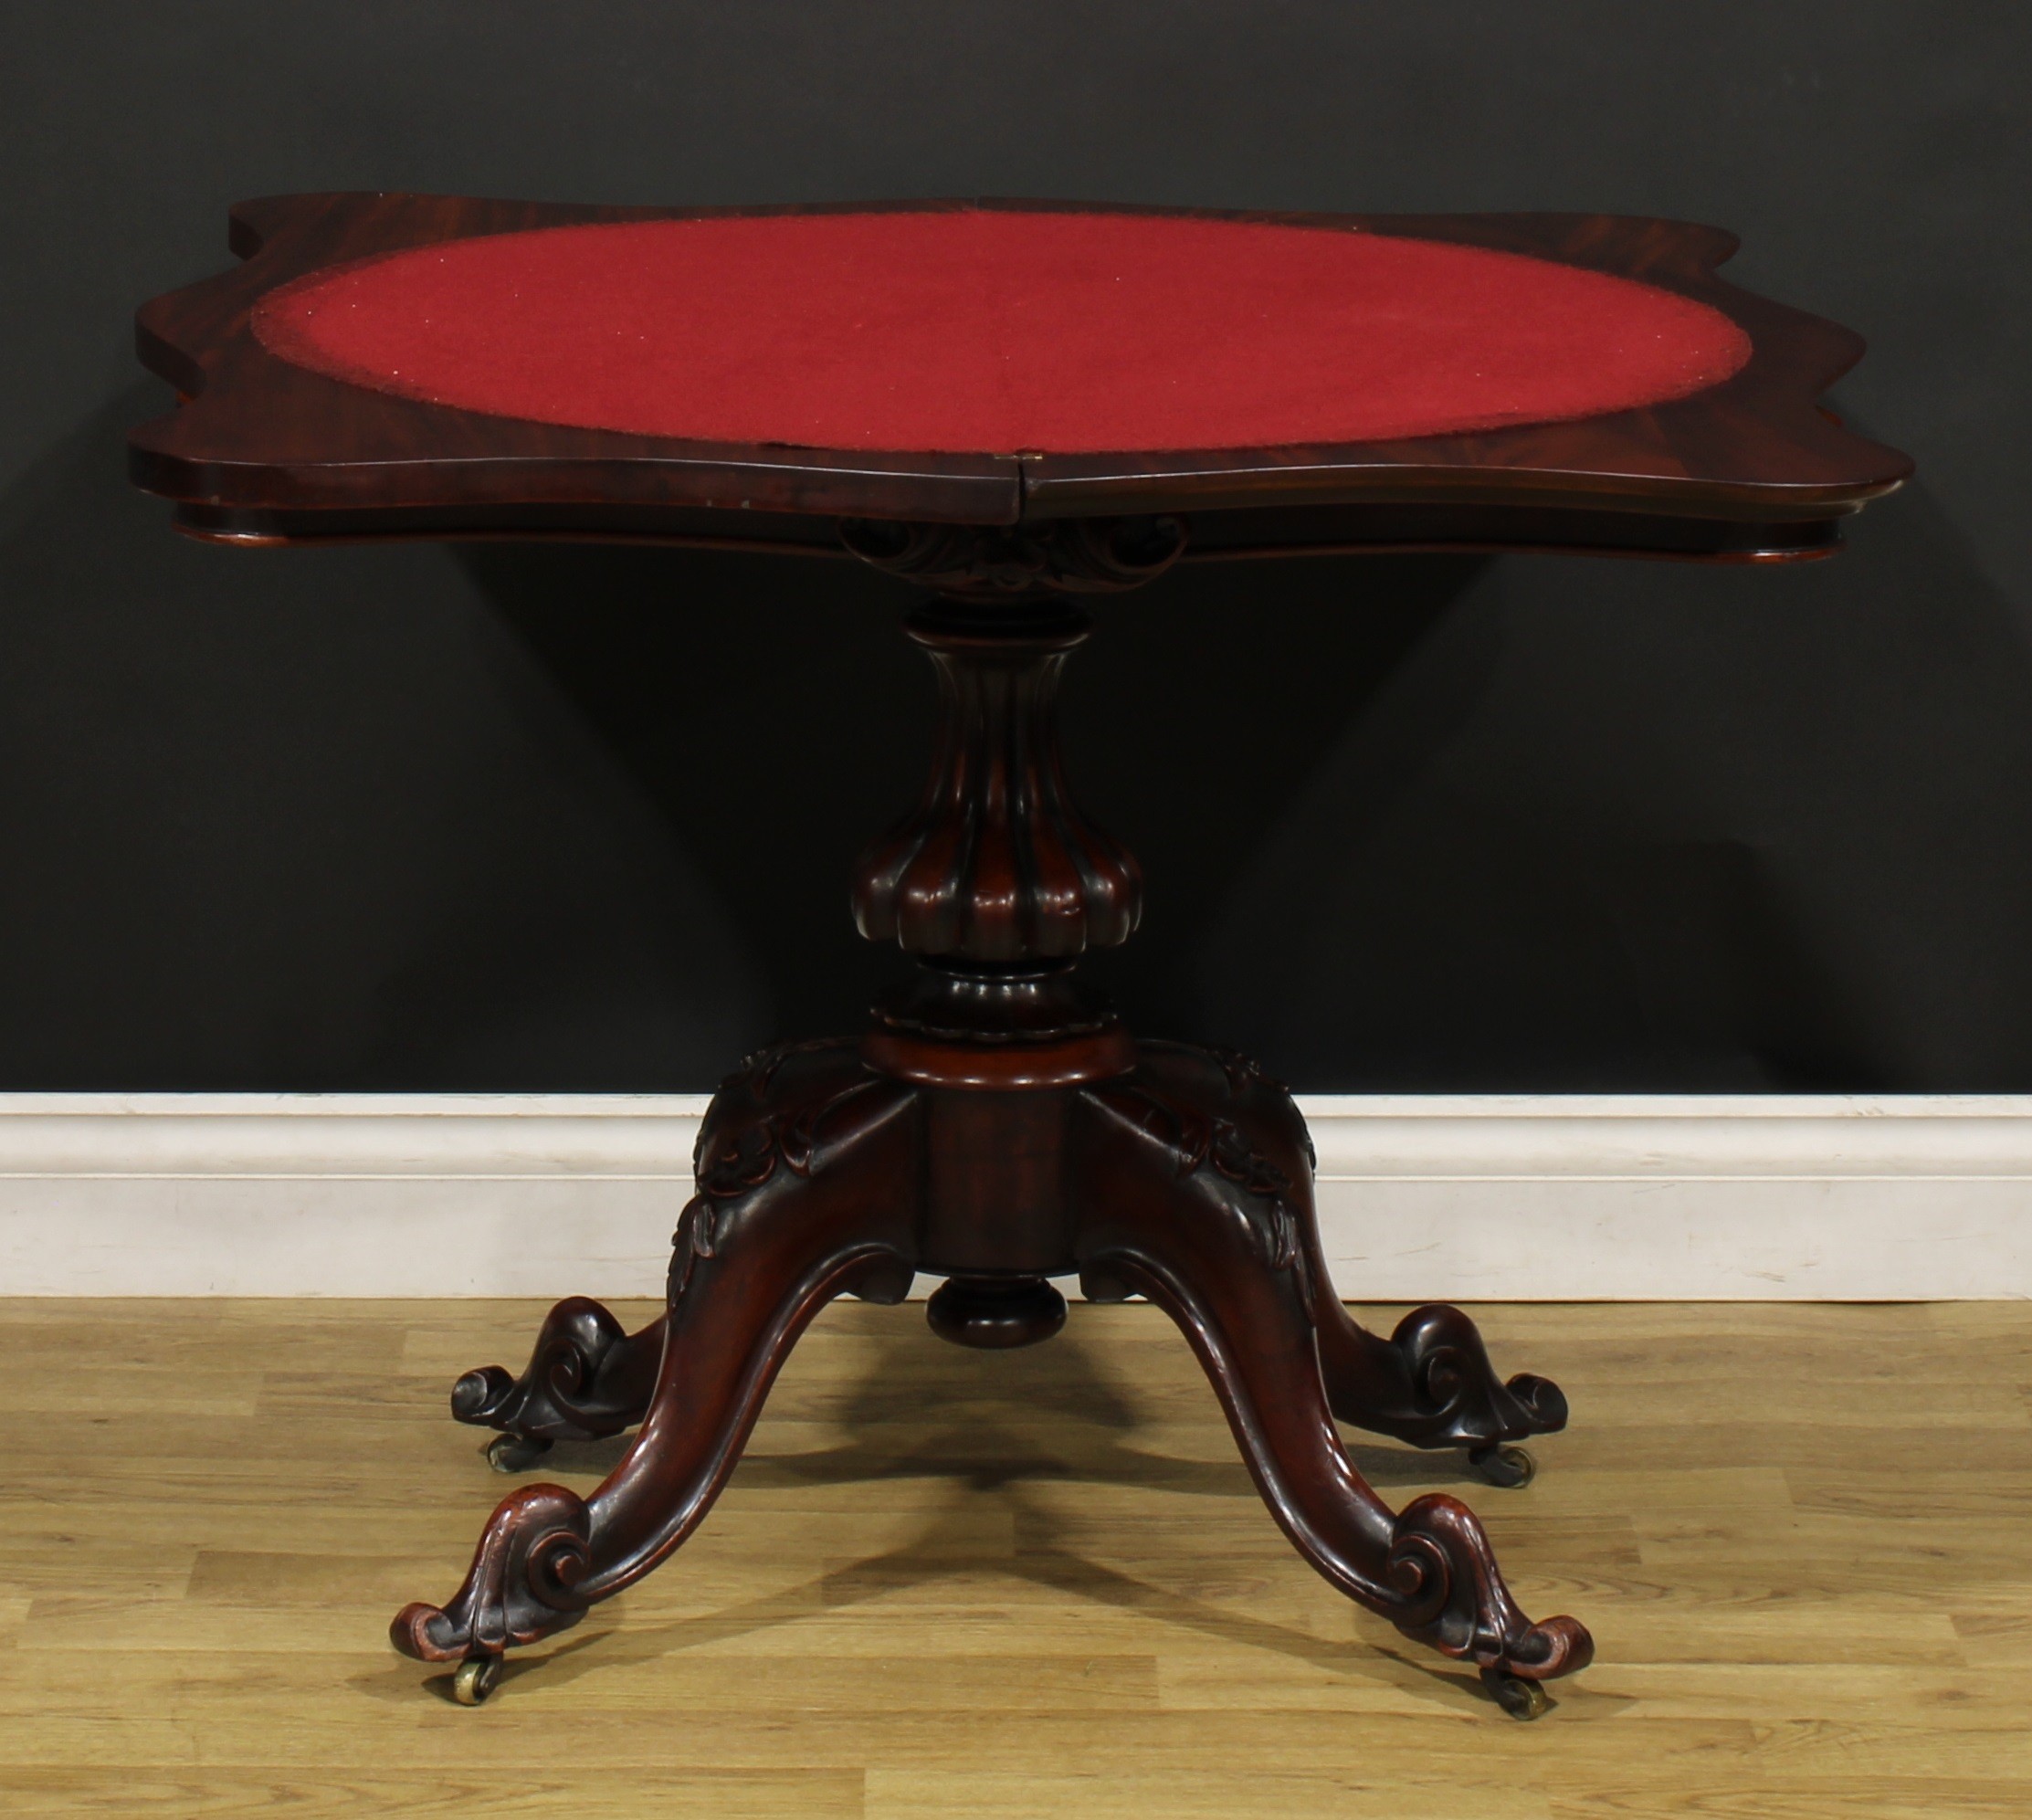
[[1509, 1466], [515, 1453], [1517, 1697], [478, 1676]]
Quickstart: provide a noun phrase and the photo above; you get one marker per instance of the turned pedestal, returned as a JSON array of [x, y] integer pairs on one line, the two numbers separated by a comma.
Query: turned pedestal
[[995, 1125]]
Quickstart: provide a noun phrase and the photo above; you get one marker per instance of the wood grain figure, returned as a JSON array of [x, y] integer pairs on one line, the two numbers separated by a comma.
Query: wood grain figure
[[995, 1124]]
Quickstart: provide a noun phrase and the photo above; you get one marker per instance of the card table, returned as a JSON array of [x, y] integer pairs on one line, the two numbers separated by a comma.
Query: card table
[[1015, 406]]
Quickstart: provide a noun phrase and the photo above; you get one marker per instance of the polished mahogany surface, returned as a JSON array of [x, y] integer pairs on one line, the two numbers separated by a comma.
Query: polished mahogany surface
[[997, 331], [995, 1123], [266, 448]]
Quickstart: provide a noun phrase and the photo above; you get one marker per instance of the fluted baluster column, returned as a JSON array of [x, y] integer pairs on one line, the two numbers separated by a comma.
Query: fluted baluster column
[[996, 865]]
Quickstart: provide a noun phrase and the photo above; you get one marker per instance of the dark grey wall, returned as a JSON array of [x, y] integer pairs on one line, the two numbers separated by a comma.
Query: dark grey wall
[[412, 817]]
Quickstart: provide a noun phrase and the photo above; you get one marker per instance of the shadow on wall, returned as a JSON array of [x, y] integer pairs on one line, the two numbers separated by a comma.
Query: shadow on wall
[[581, 818], [312, 819], [1702, 828], [772, 711]]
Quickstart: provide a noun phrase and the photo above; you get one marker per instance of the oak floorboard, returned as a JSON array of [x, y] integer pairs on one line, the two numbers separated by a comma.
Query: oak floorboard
[[1018, 1584]]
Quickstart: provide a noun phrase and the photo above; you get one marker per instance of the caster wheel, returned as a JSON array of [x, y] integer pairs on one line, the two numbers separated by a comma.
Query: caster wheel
[[1506, 1465], [478, 1676], [515, 1453], [1517, 1697]]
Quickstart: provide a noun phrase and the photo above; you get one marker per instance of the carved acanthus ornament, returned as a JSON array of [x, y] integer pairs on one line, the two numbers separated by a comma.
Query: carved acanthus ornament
[[748, 1136], [1076, 555], [1199, 1141]]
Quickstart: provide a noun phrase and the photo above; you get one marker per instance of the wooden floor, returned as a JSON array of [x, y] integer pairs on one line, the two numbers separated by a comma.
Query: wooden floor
[[995, 1585]]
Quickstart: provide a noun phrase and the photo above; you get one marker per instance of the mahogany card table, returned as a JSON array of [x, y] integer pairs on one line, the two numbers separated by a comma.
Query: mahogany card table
[[1017, 406]]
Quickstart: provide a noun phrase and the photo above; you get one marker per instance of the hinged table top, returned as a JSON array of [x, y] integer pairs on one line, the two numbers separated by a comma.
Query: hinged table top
[[404, 365]]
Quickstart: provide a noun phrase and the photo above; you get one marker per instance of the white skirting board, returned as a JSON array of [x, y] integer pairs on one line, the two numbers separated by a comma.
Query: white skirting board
[[1457, 1197]]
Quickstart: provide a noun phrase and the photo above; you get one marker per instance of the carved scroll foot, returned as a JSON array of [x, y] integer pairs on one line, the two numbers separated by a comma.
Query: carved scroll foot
[[804, 1160], [1431, 1383], [523, 1583], [1191, 1193], [588, 1377], [1455, 1598]]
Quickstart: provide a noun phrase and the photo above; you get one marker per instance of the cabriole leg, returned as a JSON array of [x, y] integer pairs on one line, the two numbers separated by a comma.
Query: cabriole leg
[[1188, 1195], [800, 1161], [1430, 1384]]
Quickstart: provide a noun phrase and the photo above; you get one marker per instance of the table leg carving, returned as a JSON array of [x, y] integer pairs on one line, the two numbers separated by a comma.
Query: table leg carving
[[1431, 1383], [588, 1377], [999, 1126], [1190, 1194], [800, 1159]]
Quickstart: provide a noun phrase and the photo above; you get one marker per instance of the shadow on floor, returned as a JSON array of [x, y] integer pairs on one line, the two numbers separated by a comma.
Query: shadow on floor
[[992, 1437], [994, 1426]]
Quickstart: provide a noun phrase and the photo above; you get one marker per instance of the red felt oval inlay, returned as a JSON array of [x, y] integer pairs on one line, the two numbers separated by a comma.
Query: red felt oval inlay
[[997, 331]]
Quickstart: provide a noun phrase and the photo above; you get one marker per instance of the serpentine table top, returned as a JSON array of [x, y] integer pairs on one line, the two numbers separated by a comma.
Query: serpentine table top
[[1009, 403], [386, 366]]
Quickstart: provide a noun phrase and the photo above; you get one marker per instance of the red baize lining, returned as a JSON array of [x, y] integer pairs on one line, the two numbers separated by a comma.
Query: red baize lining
[[997, 331]]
